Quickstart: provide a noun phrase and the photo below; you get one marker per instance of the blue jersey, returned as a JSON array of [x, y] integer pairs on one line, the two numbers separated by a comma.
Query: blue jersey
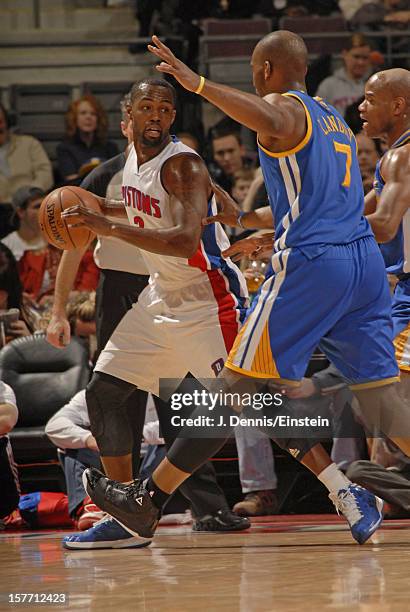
[[315, 190], [396, 253]]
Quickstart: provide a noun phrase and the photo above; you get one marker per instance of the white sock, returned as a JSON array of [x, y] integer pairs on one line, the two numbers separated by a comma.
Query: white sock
[[333, 479]]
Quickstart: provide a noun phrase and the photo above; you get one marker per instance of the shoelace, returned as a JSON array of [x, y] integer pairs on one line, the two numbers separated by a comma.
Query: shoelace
[[133, 489], [346, 504]]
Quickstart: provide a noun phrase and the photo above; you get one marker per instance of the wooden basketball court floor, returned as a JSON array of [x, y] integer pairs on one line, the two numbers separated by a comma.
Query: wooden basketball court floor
[[293, 563]]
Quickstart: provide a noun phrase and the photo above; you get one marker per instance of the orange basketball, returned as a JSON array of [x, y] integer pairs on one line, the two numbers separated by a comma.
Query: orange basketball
[[55, 228]]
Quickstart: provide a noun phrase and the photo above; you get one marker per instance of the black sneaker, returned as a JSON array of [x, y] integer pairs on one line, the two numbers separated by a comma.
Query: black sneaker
[[223, 520], [129, 504]]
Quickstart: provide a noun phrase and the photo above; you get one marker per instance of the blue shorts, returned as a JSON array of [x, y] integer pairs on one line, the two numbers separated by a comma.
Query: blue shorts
[[401, 323], [339, 301]]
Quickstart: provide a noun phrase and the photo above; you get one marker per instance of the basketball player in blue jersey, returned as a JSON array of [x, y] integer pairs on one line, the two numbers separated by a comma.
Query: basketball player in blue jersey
[[386, 112], [328, 283]]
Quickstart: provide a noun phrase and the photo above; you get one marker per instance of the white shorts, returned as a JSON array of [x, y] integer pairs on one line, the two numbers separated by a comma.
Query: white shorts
[[169, 335]]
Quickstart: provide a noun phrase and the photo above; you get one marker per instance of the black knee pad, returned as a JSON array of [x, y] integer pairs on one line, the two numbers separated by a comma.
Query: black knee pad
[[106, 398]]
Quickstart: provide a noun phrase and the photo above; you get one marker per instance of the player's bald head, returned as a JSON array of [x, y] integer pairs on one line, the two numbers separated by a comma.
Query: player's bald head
[[141, 88], [393, 83], [385, 109], [283, 49], [279, 62]]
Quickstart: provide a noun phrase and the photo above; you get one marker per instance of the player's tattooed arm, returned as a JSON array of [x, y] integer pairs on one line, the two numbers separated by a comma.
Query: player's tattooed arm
[[395, 197], [186, 179], [187, 182]]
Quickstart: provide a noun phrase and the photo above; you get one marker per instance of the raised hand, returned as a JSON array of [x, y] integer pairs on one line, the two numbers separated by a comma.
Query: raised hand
[[228, 208], [172, 65]]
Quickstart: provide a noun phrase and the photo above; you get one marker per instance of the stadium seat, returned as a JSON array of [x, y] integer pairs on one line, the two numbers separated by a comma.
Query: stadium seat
[[226, 47], [43, 378], [322, 35], [40, 111]]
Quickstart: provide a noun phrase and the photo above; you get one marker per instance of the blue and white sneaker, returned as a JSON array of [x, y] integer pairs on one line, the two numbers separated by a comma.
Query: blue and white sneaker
[[106, 533], [361, 509]]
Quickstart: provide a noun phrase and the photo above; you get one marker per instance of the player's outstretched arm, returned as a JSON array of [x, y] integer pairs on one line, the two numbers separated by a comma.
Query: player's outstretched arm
[[58, 330], [187, 181], [395, 197], [275, 117]]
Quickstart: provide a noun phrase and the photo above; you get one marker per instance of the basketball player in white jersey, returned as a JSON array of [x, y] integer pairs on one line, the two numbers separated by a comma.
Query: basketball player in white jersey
[[167, 191], [187, 319]]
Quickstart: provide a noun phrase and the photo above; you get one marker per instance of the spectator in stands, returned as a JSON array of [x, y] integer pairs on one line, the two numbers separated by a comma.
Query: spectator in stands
[[228, 154], [81, 317], [368, 156], [346, 85], [349, 8], [23, 161], [69, 430], [38, 261], [28, 237], [11, 295], [86, 144], [9, 483], [372, 13], [242, 180]]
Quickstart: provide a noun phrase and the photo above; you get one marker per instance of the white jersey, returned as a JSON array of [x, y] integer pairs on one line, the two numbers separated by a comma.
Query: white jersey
[[187, 319], [149, 205]]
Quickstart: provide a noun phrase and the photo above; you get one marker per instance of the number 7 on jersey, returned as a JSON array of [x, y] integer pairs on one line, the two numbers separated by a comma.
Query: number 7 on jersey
[[345, 150]]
